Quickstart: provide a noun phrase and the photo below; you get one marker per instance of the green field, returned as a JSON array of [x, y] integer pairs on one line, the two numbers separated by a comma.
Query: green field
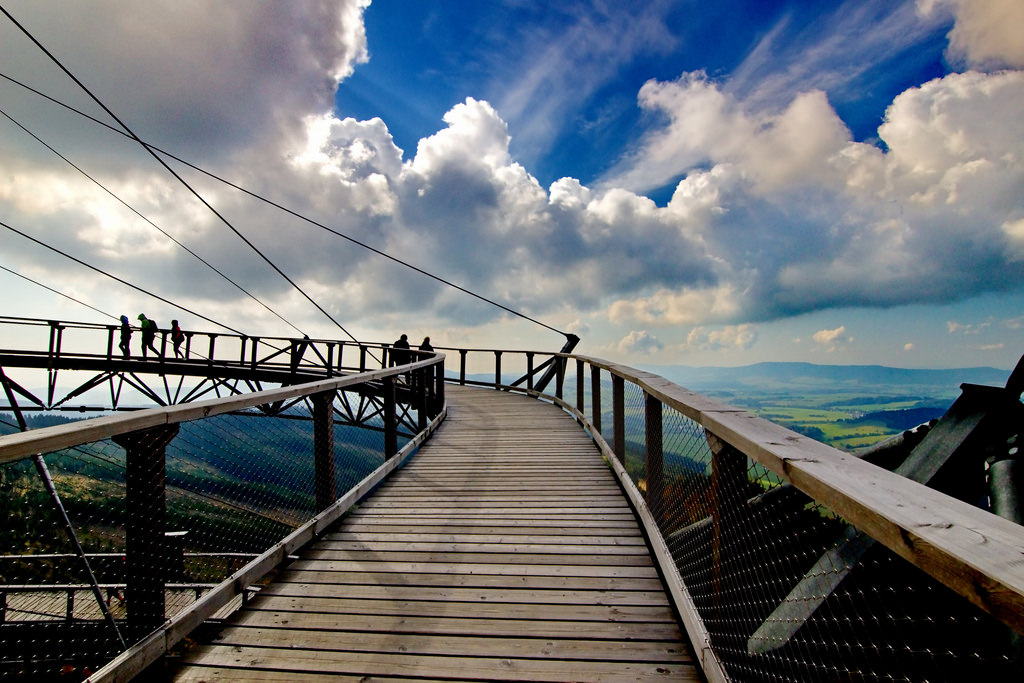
[[845, 421]]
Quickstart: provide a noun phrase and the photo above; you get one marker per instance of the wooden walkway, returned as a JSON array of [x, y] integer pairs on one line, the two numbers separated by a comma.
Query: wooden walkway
[[495, 553]]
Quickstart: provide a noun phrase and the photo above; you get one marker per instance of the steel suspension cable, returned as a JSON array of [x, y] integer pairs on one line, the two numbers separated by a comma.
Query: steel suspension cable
[[123, 282], [137, 213], [291, 212], [25, 277], [177, 177]]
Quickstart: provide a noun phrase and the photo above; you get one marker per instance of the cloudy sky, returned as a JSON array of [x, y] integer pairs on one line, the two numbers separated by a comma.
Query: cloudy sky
[[675, 182]]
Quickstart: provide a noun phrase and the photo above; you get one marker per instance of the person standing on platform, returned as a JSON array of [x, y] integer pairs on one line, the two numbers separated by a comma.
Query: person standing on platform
[[400, 351], [149, 330], [126, 335], [425, 346], [177, 336]]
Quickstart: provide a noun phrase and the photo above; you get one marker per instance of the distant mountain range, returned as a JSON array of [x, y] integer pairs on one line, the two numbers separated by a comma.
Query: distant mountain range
[[810, 377]]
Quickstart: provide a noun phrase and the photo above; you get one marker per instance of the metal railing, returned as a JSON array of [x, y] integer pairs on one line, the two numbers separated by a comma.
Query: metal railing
[[85, 357], [125, 532], [790, 560]]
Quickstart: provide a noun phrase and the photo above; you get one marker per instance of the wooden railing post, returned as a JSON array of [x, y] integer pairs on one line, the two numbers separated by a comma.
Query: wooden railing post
[[323, 449], [390, 418], [438, 390], [497, 369], [559, 375], [728, 501], [421, 392], [595, 397], [655, 473], [580, 393], [529, 369], [462, 365], [619, 418], [145, 521], [110, 341], [56, 335]]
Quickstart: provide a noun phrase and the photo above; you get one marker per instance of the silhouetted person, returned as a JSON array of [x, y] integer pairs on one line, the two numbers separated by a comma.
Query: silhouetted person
[[149, 330], [177, 336], [126, 335], [425, 346], [400, 351]]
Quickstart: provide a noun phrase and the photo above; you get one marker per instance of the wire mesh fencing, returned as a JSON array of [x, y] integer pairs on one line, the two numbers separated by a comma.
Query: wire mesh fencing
[[784, 588], [106, 540]]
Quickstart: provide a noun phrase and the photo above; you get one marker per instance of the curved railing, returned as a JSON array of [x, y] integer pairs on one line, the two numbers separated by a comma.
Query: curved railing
[[84, 361], [246, 479], [791, 560], [787, 559]]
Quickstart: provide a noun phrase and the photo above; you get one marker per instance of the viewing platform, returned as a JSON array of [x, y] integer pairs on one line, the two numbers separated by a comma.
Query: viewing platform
[[482, 514], [495, 553]]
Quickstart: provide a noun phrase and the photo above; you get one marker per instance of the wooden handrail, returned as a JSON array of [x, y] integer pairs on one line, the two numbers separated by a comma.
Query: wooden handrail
[[25, 444], [973, 552]]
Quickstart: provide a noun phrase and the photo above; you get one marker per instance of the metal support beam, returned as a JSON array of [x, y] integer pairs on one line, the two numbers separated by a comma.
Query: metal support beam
[[571, 340]]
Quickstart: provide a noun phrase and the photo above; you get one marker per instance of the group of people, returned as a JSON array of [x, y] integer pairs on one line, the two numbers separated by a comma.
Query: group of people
[[149, 330], [401, 352]]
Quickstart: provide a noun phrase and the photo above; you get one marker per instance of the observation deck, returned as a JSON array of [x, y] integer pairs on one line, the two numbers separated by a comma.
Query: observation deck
[[477, 560], [484, 515]]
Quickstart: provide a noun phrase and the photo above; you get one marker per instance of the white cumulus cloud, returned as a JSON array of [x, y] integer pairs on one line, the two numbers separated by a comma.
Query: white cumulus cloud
[[832, 340], [639, 341], [987, 33]]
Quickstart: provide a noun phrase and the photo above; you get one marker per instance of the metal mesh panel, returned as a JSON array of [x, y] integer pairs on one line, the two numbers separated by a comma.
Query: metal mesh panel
[[235, 484], [788, 591], [785, 589], [635, 428]]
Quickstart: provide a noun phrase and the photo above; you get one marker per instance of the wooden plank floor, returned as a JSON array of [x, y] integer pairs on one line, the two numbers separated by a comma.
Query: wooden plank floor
[[496, 553]]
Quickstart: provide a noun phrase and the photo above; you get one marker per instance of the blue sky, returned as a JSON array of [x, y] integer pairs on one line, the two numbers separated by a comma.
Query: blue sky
[[676, 182], [569, 82]]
